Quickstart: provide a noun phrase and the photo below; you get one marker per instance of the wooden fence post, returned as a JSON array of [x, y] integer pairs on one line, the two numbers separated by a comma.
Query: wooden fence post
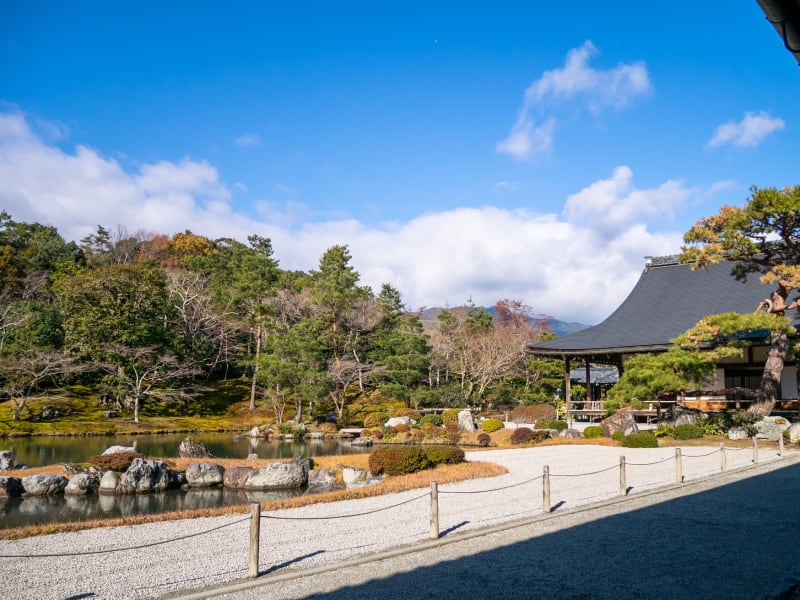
[[255, 534], [780, 445], [678, 466], [623, 485], [434, 510], [755, 450], [546, 490], [724, 457]]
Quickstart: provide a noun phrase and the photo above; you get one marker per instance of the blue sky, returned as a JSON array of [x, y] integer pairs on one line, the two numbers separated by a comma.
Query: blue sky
[[535, 151]]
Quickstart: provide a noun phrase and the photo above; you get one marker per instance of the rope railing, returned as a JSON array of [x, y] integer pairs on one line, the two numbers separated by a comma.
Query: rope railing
[[256, 515]]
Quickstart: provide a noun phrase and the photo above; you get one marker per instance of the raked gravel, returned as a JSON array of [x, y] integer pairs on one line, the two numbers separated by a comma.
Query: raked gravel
[[196, 553]]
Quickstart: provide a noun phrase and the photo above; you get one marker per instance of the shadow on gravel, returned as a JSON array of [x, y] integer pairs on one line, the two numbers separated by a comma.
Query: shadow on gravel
[[738, 541]]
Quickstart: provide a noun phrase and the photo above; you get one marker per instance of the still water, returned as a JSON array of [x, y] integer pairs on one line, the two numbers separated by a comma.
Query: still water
[[38, 451]]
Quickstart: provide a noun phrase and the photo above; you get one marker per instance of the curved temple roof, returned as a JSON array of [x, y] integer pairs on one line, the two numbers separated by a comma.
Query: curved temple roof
[[668, 299]]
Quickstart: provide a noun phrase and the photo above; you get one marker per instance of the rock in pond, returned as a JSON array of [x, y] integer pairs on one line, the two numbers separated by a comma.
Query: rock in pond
[[6, 460], [11, 487], [190, 448], [280, 475], [145, 476], [83, 484], [204, 475], [236, 477], [44, 485], [109, 483]]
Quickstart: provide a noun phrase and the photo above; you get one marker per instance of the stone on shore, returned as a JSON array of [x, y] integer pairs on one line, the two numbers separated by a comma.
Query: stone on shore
[[44, 485], [83, 484], [236, 477], [322, 480], [279, 476], [771, 428], [200, 475], [119, 449], [190, 448], [621, 420], [11, 487], [145, 476], [465, 422], [109, 483], [6, 460]]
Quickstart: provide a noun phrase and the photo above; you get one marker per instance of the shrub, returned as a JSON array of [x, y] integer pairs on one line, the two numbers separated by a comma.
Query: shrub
[[398, 460], [377, 434], [531, 414], [643, 439], [593, 431], [688, 431], [375, 419], [484, 439], [418, 435], [490, 425], [402, 428], [522, 435], [450, 416], [436, 432], [415, 415], [444, 455], [431, 419], [119, 461], [329, 427], [557, 425], [388, 432], [663, 431], [453, 436], [451, 426], [618, 435], [367, 433]]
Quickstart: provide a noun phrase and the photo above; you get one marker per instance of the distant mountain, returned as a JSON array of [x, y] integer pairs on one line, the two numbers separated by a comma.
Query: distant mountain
[[560, 328]]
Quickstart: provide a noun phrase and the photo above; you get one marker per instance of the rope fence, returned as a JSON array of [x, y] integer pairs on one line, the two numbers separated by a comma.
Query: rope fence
[[256, 516]]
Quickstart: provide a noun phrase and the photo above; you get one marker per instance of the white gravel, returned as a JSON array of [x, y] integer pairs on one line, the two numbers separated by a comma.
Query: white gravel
[[96, 563]]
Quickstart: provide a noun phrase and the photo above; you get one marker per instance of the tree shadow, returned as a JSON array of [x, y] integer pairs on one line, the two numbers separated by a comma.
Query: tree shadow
[[736, 541]]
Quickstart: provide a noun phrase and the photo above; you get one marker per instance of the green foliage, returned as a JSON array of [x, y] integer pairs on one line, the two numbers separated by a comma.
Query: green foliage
[[643, 439], [687, 431], [431, 419], [593, 431], [376, 419], [557, 425], [647, 376], [398, 460], [450, 416], [618, 435], [662, 431], [444, 455], [491, 425]]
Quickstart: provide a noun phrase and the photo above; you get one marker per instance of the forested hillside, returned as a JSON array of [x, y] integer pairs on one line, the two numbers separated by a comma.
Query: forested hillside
[[143, 318]]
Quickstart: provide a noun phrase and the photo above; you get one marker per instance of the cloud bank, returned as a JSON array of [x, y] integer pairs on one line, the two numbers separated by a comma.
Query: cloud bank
[[577, 266], [578, 85]]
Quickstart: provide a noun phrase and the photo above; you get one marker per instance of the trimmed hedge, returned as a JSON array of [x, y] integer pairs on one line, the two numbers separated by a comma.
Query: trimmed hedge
[[431, 419], [687, 431], [557, 425], [618, 435], [484, 439], [400, 460], [490, 425], [643, 439], [593, 431], [444, 455], [524, 435]]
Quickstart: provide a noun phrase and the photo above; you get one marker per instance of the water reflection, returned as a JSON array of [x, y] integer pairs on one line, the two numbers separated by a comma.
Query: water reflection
[[34, 510]]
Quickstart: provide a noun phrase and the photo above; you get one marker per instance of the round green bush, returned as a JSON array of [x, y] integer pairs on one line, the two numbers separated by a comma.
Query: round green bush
[[643, 439], [398, 460], [688, 431], [593, 431], [450, 416], [618, 435], [490, 425], [431, 419], [557, 425], [444, 455]]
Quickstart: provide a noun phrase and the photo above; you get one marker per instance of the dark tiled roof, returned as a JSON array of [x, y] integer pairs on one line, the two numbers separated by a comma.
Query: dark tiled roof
[[668, 299]]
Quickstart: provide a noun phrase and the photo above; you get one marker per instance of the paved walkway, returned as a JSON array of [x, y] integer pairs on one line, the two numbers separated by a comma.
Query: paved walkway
[[731, 536]]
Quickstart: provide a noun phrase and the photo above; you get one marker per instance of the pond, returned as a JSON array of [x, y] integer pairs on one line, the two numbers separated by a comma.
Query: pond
[[45, 450]]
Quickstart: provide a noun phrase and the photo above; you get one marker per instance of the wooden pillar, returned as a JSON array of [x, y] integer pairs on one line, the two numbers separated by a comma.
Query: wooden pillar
[[568, 392], [255, 535], [589, 397]]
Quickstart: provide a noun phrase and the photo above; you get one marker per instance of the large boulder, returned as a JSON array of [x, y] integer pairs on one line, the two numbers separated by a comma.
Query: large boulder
[[190, 448], [794, 433], [145, 476], [280, 475], [255, 432], [6, 460], [322, 480], [621, 420], [204, 475], [119, 449], [236, 477], [465, 422], [351, 475], [361, 441], [771, 428], [680, 415], [395, 421], [44, 485], [11, 487], [109, 483], [83, 484]]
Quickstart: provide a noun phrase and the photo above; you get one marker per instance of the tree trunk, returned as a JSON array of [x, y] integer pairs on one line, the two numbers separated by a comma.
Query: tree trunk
[[255, 369], [769, 389], [18, 410], [136, 403]]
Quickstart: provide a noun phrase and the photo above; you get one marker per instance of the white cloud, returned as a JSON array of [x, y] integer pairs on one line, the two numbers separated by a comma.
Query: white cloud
[[577, 82], [615, 204], [435, 259], [750, 131], [505, 186], [248, 140], [285, 189]]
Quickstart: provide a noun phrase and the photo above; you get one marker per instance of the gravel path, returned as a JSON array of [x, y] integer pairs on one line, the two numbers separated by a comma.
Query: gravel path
[[313, 539]]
